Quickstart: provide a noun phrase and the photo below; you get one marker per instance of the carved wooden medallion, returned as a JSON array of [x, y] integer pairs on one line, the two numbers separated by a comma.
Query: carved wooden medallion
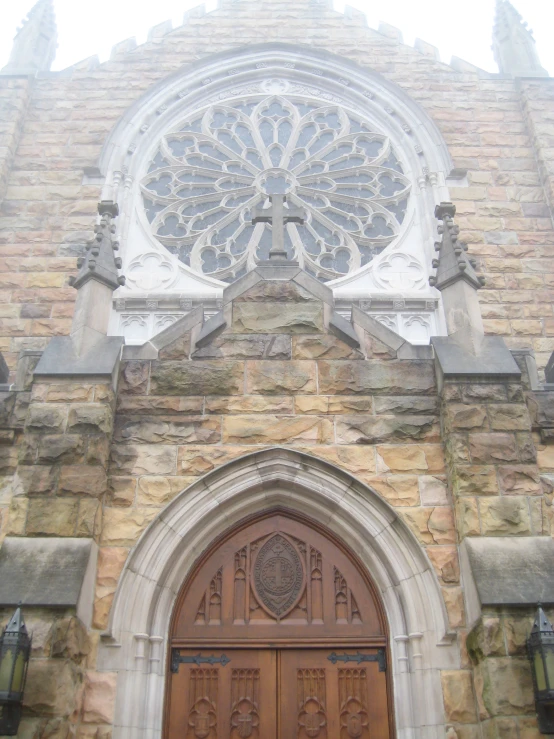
[[278, 576]]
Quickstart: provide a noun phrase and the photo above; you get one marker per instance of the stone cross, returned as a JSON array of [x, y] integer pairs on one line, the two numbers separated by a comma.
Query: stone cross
[[277, 215]]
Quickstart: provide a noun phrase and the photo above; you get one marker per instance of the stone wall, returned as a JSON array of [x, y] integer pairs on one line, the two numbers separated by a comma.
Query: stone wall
[[274, 370], [490, 129]]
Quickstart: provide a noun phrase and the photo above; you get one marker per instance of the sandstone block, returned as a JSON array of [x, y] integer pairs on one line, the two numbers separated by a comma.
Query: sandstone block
[[70, 639], [394, 378], [324, 346], [507, 687], [278, 318], [454, 602], [431, 525], [504, 516], [36, 479], [526, 447], [246, 346], [123, 526], [198, 460], [493, 448], [69, 393], [121, 491], [152, 405], [339, 404], [398, 490], [90, 418], [432, 491], [269, 291], [192, 430], [358, 460], [280, 378], [99, 697], [250, 404], [467, 517], [158, 490], [144, 459], [313, 405], [457, 449], [441, 525], [51, 688], [371, 429], [197, 378], [60, 448], [134, 378], [110, 564], [82, 479], [475, 480], [17, 516], [445, 561], [45, 416], [486, 639], [276, 430], [457, 690], [88, 518], [517, 630], [466, 417], [410, 458], [519, 479], [406, 404], [98, 450], [178, 349], [52, 517], [509, 417]]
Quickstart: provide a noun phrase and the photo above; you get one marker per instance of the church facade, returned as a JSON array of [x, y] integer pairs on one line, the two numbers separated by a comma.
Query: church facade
[[277, 416]]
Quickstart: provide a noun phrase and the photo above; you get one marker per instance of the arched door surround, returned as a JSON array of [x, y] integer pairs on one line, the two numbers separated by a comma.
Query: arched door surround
[[278, 632], [419, 640]]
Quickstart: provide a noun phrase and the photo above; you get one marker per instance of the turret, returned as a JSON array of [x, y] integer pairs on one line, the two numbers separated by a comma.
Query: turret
[[35, 43], [513, 44]]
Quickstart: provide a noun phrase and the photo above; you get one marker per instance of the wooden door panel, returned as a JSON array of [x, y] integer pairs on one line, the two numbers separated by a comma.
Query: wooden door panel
[[336, 694], [227, 694], [278, 578]]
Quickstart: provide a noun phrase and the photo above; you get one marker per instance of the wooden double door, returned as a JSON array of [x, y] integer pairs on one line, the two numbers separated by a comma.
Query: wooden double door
[[279, 634], [279, 694]]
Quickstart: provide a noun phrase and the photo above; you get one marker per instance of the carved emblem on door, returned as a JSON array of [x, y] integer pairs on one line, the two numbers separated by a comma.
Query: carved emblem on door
[[278, 576]]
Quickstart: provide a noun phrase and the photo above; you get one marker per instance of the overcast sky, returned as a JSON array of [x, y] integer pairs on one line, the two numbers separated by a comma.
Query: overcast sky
[[463, 29]]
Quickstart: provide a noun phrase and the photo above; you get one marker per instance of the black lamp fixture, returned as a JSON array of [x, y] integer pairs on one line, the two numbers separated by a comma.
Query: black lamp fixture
[[15, 650], [540, 647]]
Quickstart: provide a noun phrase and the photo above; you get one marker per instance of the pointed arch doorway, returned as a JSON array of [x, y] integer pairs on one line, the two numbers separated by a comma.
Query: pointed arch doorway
[[278, 634]]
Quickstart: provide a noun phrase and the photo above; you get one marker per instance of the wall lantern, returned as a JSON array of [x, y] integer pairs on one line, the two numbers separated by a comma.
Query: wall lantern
[[540, 647], [15, 649]]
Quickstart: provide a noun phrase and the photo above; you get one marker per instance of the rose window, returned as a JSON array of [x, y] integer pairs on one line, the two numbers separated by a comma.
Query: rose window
[[209, 174]]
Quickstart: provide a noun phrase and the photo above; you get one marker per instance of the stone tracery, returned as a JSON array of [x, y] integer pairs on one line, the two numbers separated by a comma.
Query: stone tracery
[[212, 169]]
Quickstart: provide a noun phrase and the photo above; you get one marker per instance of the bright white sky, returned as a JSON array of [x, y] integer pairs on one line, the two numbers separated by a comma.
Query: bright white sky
[[457, 29]]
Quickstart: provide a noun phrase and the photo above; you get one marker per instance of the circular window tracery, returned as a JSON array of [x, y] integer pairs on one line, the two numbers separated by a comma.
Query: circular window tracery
[[211, 171]]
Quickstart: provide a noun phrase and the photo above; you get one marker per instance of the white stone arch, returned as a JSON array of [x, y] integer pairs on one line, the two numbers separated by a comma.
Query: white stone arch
[[136, 644], [410, 128]]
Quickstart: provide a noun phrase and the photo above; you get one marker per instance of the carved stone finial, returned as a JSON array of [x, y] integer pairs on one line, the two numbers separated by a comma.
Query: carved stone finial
[[100, 262], [35, 43], [452, 263], [513, 44]]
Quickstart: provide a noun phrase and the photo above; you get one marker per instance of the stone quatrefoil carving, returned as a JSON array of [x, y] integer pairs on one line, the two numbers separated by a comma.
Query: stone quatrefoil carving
[[212, 171]]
